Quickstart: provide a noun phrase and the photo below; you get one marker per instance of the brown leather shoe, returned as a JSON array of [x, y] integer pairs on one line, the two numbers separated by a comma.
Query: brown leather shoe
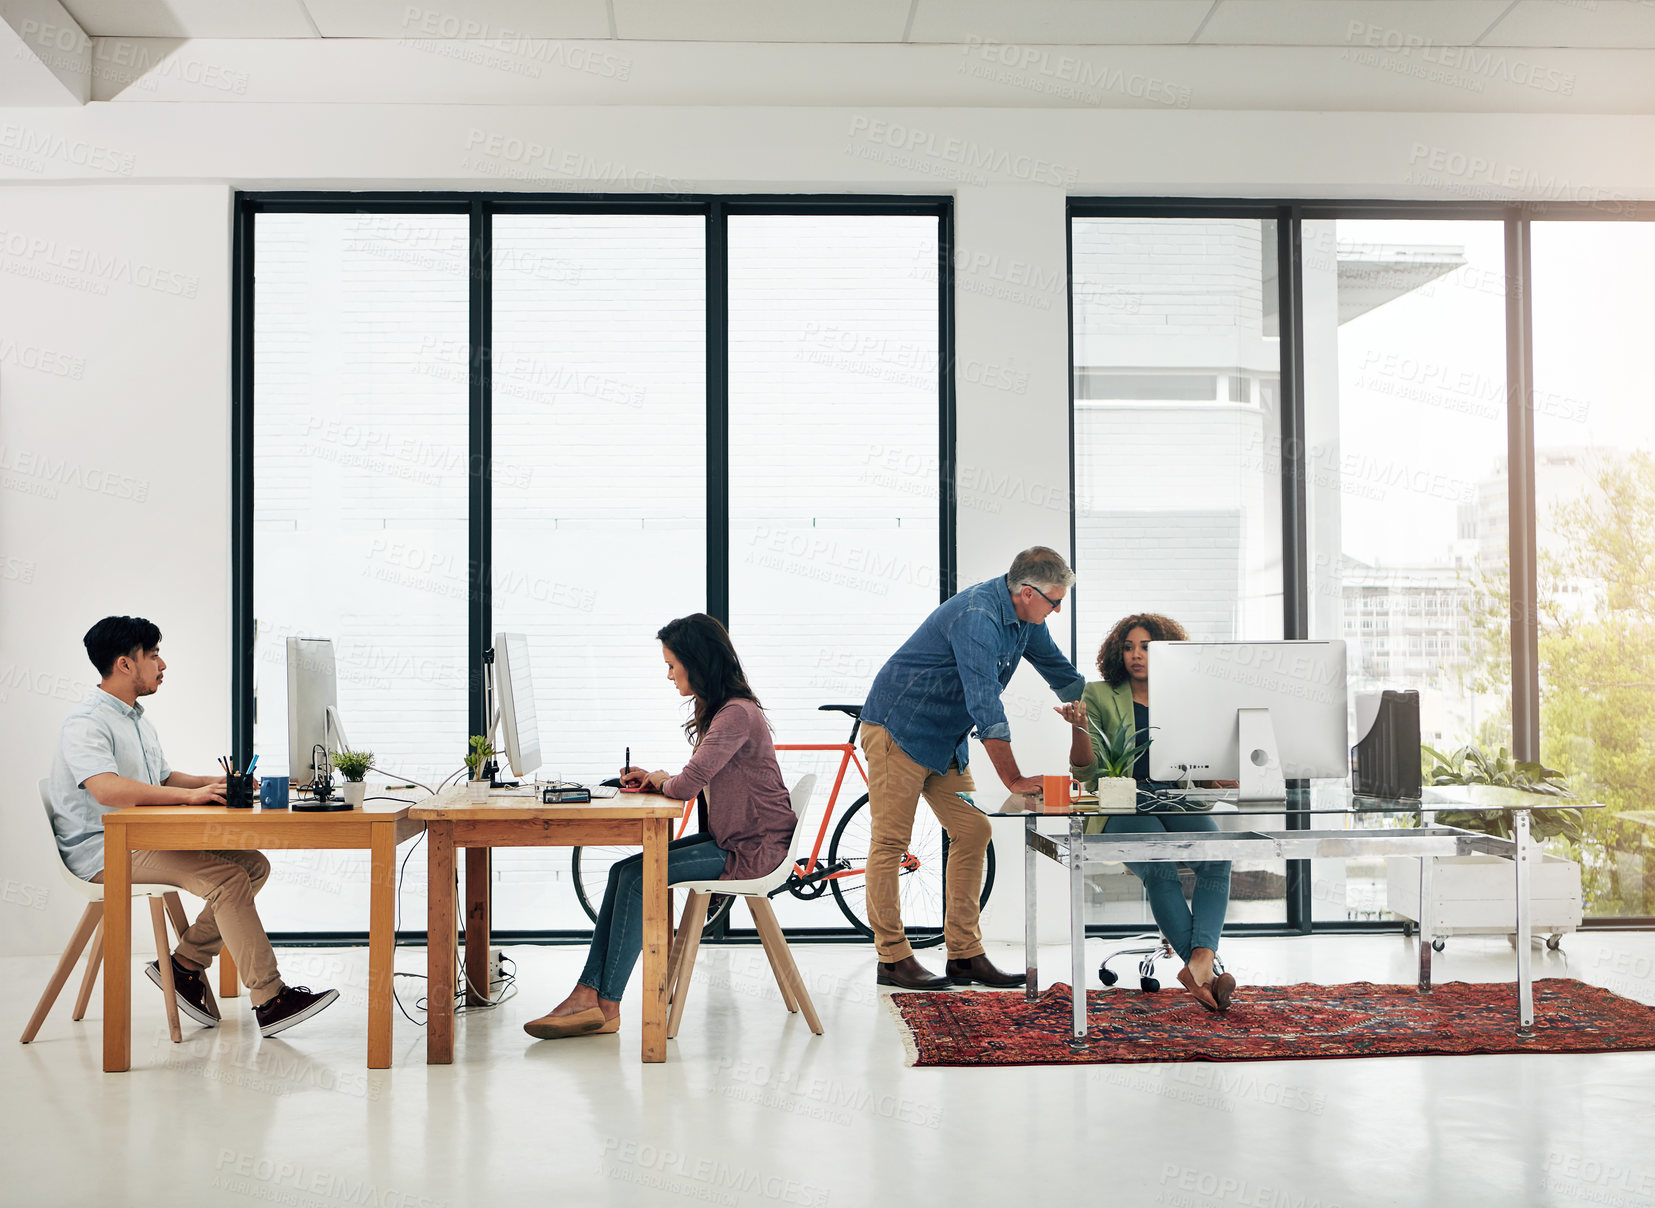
[[1224, 988], [981, 970], [909, 974]]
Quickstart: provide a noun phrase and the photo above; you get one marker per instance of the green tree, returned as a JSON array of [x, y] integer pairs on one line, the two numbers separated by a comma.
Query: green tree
[[1596, 626]]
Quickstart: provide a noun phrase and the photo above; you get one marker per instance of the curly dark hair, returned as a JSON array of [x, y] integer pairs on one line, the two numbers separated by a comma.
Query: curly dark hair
[[1111, 655]]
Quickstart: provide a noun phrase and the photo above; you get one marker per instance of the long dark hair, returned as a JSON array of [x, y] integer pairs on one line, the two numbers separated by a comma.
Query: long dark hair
[[1112, 654], [709, 659]]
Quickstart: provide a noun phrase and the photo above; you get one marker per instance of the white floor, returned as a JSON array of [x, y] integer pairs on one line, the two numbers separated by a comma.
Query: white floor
[[753, 1110]]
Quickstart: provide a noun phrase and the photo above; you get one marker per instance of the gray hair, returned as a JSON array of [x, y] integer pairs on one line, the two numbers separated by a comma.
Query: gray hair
[[1042, 566]]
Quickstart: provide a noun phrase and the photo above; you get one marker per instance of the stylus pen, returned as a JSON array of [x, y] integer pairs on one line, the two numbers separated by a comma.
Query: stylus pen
[[628, 766]]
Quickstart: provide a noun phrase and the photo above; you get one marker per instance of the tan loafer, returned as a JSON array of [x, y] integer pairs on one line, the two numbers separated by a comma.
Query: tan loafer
[[580, 1023]]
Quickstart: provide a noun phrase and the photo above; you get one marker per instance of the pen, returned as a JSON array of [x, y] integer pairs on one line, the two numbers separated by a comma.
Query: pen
[[253, 764], [628, 767]]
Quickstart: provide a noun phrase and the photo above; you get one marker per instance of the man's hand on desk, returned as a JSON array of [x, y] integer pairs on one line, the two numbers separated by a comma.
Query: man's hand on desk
[[211, 793], [1027, 784]]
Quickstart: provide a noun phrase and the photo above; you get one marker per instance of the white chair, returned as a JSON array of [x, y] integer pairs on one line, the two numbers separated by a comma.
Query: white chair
[[756, 893], [163, 903]]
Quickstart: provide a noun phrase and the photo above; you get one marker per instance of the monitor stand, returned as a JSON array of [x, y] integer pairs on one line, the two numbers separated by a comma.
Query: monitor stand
[[1261, 780]]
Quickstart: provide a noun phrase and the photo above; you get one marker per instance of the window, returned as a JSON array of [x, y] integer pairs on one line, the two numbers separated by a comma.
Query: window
[[361, 460], [833, 466], [817, 521], [1406, 338], [600, 484], [1187, 497], [1595, 517]]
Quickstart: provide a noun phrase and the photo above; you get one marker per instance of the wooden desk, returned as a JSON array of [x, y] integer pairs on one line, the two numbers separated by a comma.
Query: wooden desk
[[376, 828], [452, 821]]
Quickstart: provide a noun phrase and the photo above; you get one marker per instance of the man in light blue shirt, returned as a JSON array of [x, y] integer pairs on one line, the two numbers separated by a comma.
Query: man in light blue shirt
[[924, 703], [109, 757]]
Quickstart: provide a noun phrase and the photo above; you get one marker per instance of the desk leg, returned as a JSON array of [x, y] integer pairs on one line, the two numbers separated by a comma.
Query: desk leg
[[1031, 956], [1427, 911], [229, 981], [117, 950], [1077, 926], [1525, 984], [381, 944], [439, 944], [657, 938], [477, 865]]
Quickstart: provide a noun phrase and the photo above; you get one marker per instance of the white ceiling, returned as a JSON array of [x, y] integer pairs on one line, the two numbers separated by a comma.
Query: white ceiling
[[1608, 24]]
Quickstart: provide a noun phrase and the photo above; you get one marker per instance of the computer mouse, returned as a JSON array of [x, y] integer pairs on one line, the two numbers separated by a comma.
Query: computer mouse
[[614, 782]]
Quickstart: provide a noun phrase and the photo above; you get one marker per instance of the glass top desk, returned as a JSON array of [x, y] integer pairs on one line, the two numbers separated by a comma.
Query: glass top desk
[[1325, 821]]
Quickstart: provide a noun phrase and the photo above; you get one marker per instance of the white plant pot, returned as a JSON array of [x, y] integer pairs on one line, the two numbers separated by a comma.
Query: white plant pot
[[476, 791], [1117, 795], [353, 793]]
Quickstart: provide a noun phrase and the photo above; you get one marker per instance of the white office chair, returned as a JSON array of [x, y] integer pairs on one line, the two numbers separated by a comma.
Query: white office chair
[[756, 893], [163, 902]]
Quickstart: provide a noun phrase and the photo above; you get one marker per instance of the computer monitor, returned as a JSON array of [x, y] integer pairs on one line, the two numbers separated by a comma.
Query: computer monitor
[[1260, 713], [514, 700], [312, 708]]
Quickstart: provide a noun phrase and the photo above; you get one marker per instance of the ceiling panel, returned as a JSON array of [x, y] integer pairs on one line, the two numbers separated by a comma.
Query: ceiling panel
[[762, 20], [191, 18], [1624, 24], [1059, 22], [1376, 23], [475, 20]]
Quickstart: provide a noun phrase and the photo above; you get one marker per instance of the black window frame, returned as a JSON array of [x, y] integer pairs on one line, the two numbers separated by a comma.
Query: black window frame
[[481, 208], [1290, 214]]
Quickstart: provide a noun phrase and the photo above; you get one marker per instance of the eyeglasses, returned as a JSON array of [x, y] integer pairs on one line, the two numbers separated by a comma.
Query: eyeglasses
[[1057, 605]]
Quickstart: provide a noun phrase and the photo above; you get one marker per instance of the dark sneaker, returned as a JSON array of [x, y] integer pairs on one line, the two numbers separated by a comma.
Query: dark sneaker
[[189, 990], [294, 1004]]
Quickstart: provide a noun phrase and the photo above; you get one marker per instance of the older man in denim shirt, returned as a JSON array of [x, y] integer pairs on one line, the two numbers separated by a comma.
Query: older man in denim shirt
[[944, 681]]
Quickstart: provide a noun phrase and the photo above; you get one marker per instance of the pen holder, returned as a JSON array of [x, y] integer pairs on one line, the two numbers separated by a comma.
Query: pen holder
[[238, 791]]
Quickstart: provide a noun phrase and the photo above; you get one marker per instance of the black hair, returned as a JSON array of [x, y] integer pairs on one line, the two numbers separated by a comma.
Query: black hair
[[709, 659], [112, 637]]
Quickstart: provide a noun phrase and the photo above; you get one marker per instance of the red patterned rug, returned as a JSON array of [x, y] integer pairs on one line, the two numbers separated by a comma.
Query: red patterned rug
[[1268, 1023]]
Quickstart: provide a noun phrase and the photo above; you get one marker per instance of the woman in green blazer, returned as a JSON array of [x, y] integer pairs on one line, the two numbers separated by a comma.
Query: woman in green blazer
[[1122, 696]]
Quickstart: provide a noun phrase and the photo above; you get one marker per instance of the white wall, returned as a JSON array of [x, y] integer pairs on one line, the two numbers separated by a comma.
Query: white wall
[[114, 484], [117, 384]]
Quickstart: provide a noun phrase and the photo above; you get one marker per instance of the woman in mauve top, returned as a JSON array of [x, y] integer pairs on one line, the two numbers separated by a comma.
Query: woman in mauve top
[[749, 818]]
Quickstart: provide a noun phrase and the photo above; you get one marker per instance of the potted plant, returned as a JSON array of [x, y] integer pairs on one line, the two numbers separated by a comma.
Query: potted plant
[[1117, 755], [476, 760], [353, 766], [1477, 894]]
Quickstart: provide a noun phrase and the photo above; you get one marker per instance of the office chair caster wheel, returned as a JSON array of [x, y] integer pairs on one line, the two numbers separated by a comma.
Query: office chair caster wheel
[[1149, 984], [1438, 945], [1107, 975]]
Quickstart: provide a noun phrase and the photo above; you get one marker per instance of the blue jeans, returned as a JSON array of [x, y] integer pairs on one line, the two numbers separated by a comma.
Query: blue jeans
[[1199, 924], [618, 935]]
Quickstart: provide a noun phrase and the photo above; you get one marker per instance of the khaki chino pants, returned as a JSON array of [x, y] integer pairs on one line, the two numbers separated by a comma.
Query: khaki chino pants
[[226, 881], [895, 785]]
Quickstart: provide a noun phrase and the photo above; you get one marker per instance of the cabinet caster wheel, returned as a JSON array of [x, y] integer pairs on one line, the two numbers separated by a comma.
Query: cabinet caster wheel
[[1438, 945], [1408, 930], [1554, 942], [1107, 976], [1149, 984]]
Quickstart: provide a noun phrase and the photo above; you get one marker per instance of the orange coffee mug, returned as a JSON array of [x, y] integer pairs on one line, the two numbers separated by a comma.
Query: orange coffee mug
[[1055, 794]]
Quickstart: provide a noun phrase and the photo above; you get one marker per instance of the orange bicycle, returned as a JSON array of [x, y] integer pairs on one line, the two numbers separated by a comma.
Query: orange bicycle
[[922, 875]]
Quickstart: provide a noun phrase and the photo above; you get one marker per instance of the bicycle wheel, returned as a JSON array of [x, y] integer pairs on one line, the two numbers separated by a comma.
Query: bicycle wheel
[[920, 883], [590, 866]]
